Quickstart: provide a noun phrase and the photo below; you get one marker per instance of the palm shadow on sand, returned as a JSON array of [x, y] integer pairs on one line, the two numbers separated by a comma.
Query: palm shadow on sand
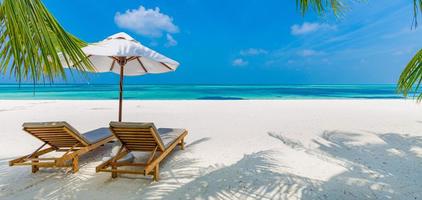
[[253, 177], [390, 169]]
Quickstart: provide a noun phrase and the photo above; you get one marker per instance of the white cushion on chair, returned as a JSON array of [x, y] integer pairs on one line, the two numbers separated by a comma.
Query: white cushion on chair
[[97, 135], [169, 135]]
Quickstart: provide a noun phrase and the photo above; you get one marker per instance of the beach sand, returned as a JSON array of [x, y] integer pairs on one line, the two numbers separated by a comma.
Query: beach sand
[[287, 149]]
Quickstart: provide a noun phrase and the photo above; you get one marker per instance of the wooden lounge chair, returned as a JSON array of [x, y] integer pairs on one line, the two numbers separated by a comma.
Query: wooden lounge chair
[[143, 137], [61, 137]]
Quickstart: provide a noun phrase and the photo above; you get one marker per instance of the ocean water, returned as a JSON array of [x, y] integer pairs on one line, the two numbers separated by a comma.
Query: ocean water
[[198, 92]]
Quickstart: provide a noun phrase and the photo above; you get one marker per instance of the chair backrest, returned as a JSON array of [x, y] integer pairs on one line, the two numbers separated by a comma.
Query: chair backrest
[[56, 134], [137, 136]]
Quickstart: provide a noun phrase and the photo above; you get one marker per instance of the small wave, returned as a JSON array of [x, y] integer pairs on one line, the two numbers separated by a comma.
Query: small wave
[[219, 98], [377, 97]]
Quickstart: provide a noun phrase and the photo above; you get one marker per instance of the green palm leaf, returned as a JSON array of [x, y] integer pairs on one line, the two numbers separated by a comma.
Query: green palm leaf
[[411, 77], [416, 4], [30, 39], [321, 6], [338, 6]]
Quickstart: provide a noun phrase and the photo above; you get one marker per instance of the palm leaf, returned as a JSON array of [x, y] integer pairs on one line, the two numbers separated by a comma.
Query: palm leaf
[[416, 4], [321, 7], [30, 40], [411, 77]]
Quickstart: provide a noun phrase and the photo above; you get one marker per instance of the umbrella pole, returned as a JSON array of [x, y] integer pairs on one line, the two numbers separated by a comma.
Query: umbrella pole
[[121, 92]]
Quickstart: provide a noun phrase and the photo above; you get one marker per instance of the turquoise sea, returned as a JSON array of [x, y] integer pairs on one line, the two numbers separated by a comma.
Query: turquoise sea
[[199, 92]]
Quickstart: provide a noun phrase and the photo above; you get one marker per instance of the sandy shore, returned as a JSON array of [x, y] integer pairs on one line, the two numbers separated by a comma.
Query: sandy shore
[[292, 149]]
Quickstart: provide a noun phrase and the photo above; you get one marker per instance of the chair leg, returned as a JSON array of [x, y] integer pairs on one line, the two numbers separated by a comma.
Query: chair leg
[[113, 167], [156, 173], [182, 144], [35, 168], [75, 164]]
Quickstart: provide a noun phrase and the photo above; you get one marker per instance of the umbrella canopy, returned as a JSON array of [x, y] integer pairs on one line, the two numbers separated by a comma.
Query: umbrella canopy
[[123, 55]]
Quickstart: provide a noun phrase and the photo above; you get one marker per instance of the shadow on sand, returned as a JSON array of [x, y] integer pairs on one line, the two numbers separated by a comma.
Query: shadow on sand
[[388, 169], [19, 180], [20, 183], [255, 176]]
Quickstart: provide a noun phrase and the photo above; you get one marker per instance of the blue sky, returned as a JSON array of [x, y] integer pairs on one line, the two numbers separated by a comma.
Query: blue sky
[[253, 42]]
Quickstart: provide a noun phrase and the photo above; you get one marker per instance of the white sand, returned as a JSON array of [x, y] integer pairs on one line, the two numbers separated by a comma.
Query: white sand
[[293, 149]]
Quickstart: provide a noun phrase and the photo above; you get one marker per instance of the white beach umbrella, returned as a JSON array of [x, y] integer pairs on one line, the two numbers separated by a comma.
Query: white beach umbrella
[[123, 55]]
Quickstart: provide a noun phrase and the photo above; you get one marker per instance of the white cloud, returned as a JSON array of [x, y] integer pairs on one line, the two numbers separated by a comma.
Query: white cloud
[[252, 52], [309, 52], [307, 27], [403, 32], [239, 62], [397, 53], [146, 22], [170, 41]]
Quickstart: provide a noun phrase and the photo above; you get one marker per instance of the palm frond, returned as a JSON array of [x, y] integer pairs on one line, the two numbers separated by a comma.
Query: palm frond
[[321, 7], [411, 77], [30, 40], [417, 7]]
